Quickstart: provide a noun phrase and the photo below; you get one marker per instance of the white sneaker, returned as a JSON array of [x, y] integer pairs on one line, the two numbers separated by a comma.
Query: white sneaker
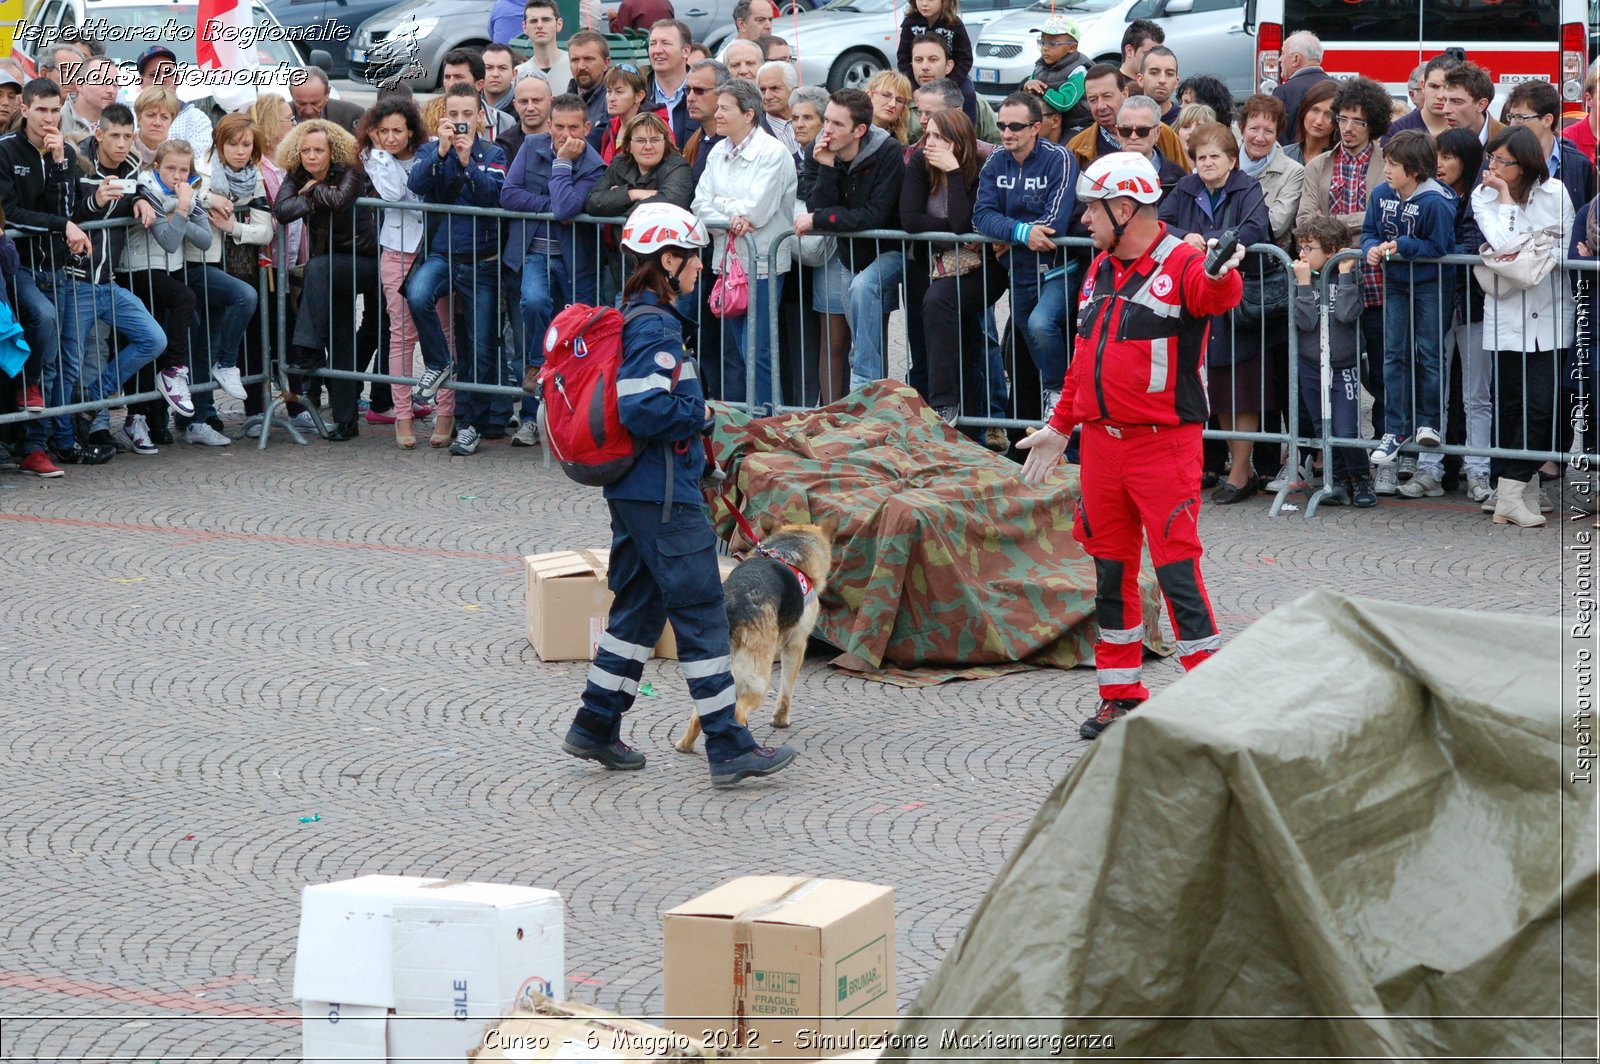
[[1385, 481], [527, 435], [134, 435], [466, 441], [253, 430], [204, 435], [1289, 476], [1478, 488], [1424, 484], [1427, 436], [227, 378], [302, 420], [173, 384]]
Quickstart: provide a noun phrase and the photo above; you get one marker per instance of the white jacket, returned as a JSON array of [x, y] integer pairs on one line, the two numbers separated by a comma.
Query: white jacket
[[255, 229], [398, 230], [758, 185], [1516, 319]]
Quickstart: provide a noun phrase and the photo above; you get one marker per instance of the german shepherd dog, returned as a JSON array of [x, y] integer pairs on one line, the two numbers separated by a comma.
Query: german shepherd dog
[[769, 612]]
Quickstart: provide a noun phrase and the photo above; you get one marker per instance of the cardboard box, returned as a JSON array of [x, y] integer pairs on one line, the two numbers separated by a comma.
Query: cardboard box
[[366, 941], [331, 1032], [774, 955], [567, 602], [543, 1030]]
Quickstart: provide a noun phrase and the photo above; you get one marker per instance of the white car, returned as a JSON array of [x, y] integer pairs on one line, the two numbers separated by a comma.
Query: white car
[[844, 44], [1207, 36]]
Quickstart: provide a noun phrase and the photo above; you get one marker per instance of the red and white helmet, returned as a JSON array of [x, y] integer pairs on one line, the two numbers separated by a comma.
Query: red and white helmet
[[1122, 173], [653, 227]]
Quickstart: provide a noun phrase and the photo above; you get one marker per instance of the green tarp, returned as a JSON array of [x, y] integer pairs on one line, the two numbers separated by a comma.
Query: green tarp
[[946, 564], [1352, 833]]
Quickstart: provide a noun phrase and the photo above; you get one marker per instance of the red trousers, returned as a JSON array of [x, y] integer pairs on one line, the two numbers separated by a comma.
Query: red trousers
[[1143, 483]]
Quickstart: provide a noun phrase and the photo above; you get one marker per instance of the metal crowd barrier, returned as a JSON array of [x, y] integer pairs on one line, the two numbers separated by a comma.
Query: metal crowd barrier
[[53, 366]]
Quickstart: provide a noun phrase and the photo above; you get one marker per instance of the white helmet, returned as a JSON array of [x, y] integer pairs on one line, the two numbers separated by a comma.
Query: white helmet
[[653, 227], [1122, 173]]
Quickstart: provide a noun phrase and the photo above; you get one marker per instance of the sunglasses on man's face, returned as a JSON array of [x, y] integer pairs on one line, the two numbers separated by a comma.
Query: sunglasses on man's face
[[1129, 132], [1015, 127]]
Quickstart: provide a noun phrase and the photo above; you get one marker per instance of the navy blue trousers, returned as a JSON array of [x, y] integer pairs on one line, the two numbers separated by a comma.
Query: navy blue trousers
[[664, 570]]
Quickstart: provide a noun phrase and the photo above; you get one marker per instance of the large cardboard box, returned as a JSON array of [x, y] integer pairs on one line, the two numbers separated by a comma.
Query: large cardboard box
[[397, 941], [332, 1033], [775, 955], [567, 601]]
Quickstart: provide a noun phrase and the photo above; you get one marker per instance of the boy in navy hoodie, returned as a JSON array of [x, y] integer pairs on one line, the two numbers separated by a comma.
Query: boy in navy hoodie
[[1410, 216]]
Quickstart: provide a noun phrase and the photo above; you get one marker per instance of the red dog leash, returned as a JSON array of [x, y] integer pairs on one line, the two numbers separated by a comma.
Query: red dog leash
[[719, 478]]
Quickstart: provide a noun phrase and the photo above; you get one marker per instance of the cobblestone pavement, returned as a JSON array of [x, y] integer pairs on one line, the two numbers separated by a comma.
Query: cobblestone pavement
[[207, 645]]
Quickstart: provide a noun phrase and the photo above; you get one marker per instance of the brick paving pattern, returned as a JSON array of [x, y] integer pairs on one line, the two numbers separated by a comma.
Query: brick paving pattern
[[204, 646]]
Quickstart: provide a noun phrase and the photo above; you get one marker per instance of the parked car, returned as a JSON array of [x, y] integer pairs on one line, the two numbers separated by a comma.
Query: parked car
[[1208, 37], [409, 40], [349, 14], [275, 57], [845, 43]]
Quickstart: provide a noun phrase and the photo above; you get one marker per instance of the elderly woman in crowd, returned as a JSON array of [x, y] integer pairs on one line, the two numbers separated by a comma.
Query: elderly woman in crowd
[[1217, 197], [1261, 122], [1314, 123], [747, 191], [890, 92], [323, 180]]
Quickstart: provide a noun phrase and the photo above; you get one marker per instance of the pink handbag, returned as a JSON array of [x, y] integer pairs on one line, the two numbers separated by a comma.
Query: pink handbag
[[730, 296]]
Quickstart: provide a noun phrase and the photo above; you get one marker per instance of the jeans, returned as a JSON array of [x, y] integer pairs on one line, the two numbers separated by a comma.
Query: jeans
[[215, 289], [1043, 305], [765, 292], [41, 327], [546, 288], [1344, 395], [1412, 327], [143, 339], [1477, 393], [871, 297], [475, 293]]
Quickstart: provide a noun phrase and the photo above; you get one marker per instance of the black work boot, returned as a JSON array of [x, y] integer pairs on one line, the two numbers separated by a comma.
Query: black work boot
[[1111, 710], [615, 756], [762, 761]]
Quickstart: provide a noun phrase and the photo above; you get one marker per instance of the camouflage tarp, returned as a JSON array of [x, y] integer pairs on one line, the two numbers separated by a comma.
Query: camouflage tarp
[[946, 562]]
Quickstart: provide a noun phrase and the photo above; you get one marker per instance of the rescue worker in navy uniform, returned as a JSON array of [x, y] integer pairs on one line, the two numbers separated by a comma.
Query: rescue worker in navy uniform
[[1136, 386], [663, 551]]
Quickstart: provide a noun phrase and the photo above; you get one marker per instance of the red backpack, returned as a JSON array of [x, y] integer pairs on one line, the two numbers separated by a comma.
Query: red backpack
[[577, 390]]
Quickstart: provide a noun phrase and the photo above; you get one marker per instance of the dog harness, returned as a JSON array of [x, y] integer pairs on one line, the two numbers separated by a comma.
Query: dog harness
[[808, 590]]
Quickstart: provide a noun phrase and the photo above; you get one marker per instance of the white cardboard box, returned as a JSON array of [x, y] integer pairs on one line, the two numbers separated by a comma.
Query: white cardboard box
[[331, 1033], [348, 949]]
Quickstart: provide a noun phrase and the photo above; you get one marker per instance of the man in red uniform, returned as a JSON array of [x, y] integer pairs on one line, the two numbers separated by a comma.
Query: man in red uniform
[[1137, 386]]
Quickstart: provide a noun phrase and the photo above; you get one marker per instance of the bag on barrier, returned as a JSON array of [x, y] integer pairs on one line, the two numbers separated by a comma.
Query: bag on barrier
[[577, 390], [1265, 294], [1524, 263], [957, 261], [730, 296]]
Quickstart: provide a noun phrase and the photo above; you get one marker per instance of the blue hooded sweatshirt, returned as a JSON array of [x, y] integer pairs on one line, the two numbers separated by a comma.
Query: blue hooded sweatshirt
[[1423, 225], [1036, 191]]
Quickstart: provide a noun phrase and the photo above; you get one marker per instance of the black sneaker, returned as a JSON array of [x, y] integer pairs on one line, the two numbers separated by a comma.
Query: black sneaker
[[1111, 710], [1361, 493], [100, 438], [762, 761], [160, 428], [82, 454], [617, 756]]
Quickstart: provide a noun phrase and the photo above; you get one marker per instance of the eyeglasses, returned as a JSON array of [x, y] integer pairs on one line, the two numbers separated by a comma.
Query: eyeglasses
[[696, 91], [629, 67], [886, 95], [1513, 116], [1498, 163], [1015, 127], [1351, 120], [1130, 132], [647, 142]]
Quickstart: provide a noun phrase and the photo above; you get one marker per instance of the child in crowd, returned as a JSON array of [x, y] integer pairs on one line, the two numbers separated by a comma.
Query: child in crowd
[[1410, 215], [152, 264], [1059, 59], [1320, 238], [944, 18]]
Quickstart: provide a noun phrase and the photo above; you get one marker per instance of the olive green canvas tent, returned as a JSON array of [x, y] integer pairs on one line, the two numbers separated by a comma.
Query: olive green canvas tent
[[1355, 832]]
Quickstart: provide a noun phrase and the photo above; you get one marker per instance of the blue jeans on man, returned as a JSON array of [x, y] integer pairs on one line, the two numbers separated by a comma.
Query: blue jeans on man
[[226, 305], [82, 305], [1043, 306], [545, 287], [474, 287], [41, 324], [872, 295]]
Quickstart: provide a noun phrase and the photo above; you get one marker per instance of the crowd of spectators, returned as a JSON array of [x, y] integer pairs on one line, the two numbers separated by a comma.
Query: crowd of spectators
[[163, 291]]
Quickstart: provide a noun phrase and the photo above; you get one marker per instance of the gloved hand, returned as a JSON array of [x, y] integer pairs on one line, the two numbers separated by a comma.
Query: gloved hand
[[1045, 447], [1232, 263]]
